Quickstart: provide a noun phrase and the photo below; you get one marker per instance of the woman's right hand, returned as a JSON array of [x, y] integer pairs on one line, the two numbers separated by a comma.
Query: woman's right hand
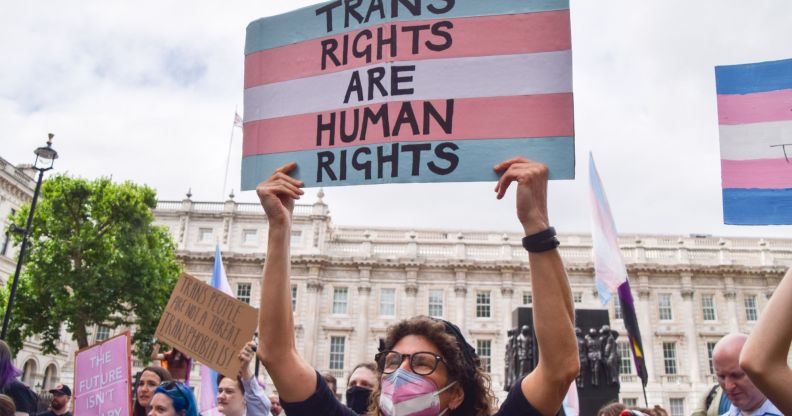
[[277, 194]]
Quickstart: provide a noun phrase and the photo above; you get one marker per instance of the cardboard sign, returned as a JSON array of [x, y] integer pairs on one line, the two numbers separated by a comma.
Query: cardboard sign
[[380, 91], [755, 120], [102, 378], [207, 324]]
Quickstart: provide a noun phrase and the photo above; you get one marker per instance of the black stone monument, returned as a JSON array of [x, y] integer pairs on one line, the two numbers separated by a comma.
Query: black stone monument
[[598, 383]]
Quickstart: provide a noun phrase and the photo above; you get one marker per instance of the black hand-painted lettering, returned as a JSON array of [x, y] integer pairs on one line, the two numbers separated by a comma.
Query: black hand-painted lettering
[[449, 4], [362, 166], [328, 127], [412, 6], [350, 10], [447, 123], [442, 151], [325, 163], [375, 76], [354, 86], [349, 137], [393, 159], [416, 150], [376, 5], [437, 30], [366, 52], [406, 115], [382, 41], [397, 80], [416, 35], [327, 9], [329, 47]]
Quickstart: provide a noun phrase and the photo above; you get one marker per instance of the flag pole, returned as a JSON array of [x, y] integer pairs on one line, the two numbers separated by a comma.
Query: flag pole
[[646, 402], [228, 157]]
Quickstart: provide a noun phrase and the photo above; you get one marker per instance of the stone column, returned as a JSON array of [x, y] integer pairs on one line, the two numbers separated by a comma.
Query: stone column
[[411, 290], [362, 327], [689, 317], [507, 302], [460, 289], [647, 332], [314, 286], [730, 293]]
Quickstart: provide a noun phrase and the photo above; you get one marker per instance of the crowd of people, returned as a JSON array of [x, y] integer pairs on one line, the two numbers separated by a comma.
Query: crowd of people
[[425, 366]]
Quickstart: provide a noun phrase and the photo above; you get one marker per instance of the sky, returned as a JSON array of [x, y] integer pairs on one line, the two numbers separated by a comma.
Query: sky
[[146, 91]]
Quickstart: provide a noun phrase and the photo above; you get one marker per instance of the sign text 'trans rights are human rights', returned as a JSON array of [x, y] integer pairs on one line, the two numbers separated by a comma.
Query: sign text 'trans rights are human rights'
[[388, 91]]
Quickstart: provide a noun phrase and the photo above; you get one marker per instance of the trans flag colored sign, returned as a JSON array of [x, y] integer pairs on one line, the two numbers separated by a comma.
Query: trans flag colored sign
[[388, 91], [755, 119]]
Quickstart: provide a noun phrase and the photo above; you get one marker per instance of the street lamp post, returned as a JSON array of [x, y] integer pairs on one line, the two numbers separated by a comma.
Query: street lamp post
[[45, 159]]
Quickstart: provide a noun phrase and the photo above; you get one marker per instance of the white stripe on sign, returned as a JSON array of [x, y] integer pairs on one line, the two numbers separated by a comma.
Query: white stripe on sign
[[490, 76], [756, 140]]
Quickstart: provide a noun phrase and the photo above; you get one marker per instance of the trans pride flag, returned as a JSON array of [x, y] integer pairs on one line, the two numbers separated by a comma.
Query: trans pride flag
[[610, 274], [372, 92], [755, 120], [208, 403]]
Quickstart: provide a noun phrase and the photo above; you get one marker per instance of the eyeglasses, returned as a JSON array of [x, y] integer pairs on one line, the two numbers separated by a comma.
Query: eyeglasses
[[175, 385], [422, 363]]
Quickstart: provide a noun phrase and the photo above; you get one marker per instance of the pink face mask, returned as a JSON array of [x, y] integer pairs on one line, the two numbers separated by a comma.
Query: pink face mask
[[405, 393]]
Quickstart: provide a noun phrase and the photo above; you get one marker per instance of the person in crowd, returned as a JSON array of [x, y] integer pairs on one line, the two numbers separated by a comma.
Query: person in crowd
[[25, 400], [173, 398], [332, 383], [746, 399], [714, 403], [242, 395], [276, 408], [362, 381], [764, 357], [150, 379], [7, 406], [59, 405], [611, 409], [426, 366], [619, 409], [176, 362]]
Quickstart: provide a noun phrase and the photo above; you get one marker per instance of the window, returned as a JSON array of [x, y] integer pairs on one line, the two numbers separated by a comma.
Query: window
[[294, 297], [617, 309], [527, 298], [296, 238], [677, 407], [102, 333], [625, 361], [708, 307], [669, 357], [337, 353], [436, 303], [249, 236], [484, 350], [205, 235], [750, 308], [630, 401], [339, 301], [387, 302], [243, 292], [577, 297], [710, 348], [664, 302], [483, 305]]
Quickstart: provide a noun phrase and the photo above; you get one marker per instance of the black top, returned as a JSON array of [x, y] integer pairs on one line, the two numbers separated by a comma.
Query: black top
[[49, 413], [25, 399], [323, 402]]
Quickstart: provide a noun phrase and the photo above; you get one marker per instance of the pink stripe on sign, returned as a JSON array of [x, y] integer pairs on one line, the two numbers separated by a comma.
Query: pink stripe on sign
[[755, 108], [473, 36], [759, 173], [547, 115]]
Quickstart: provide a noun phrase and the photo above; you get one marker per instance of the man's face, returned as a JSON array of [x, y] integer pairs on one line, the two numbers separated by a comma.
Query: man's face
[[59, 401], [276, 407], [736, 384]]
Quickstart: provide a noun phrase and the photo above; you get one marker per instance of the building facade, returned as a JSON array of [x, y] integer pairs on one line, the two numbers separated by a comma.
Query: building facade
[[350, 283], [39, 372]]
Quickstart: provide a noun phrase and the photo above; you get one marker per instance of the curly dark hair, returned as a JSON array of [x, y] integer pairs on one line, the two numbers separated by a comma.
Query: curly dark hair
[[478, 398]]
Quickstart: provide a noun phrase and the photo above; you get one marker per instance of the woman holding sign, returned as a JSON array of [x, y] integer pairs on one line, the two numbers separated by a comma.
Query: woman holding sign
[[426, 366]]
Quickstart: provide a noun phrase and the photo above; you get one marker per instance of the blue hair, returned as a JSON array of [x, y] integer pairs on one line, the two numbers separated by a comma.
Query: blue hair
[[182, 398]]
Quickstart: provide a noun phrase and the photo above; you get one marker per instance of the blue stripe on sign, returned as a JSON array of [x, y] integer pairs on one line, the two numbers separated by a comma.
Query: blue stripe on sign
[[757, 77], [476, 160], [304, 24], [757, 206]]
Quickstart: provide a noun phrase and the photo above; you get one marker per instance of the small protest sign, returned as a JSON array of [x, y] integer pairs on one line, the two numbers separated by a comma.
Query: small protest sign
[[207, 324], [102, 377], [755, 123], [376, 91]]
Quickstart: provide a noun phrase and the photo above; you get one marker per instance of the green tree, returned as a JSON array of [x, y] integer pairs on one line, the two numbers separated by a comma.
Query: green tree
[[94, 258]]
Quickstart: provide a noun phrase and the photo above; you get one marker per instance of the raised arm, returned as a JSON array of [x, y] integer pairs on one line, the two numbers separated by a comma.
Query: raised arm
[[764, 357], [553, 313], [256, 402], [294, 378]]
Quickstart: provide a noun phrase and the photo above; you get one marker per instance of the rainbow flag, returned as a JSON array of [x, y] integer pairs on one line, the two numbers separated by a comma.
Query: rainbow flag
[[755, 122], [383, 92]]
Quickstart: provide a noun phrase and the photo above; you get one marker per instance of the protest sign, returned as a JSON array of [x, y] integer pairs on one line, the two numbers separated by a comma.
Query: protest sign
[[378, 91], [102, 376], [755, 122], [207, 324]]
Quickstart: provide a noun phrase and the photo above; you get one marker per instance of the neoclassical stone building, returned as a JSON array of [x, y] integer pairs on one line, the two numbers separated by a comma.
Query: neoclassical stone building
[[39, 372], [350, 283]]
